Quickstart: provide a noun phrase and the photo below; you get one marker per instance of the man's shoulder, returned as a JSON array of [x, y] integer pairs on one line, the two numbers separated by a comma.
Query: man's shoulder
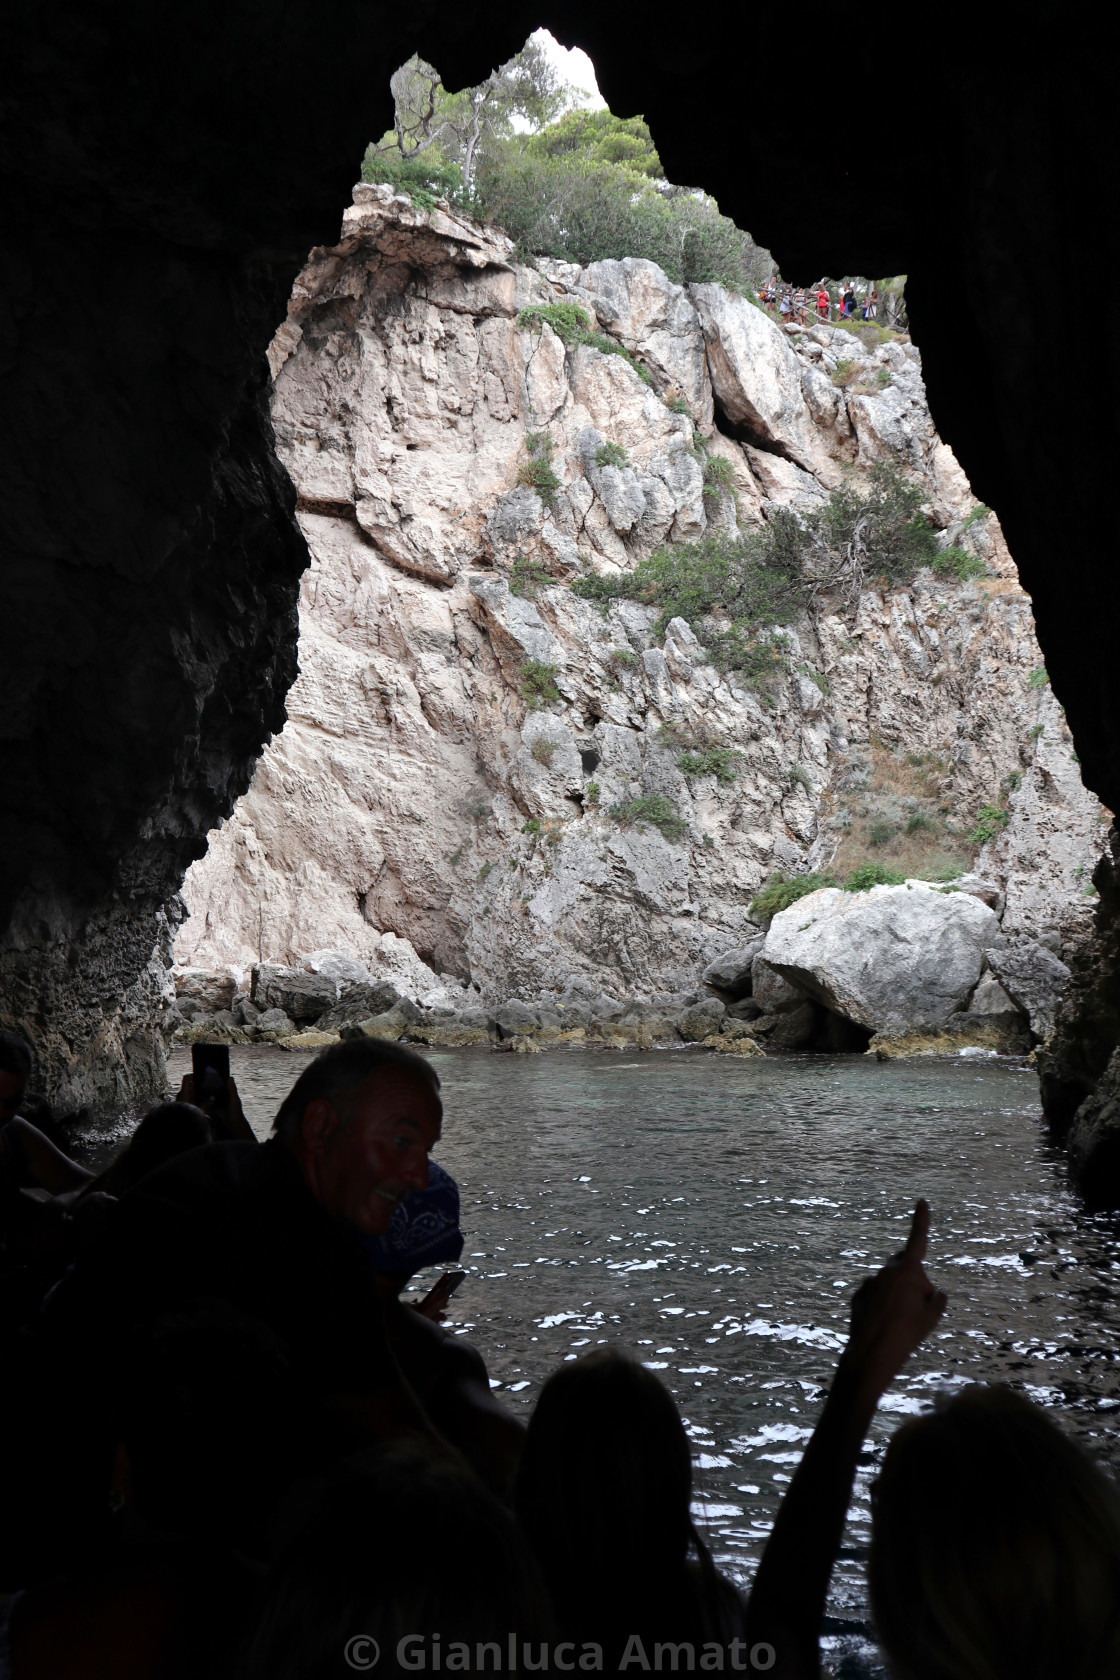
[[219, 1173]]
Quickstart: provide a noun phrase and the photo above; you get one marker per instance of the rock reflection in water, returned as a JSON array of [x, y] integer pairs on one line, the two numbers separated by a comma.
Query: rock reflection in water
[[716, 1216]]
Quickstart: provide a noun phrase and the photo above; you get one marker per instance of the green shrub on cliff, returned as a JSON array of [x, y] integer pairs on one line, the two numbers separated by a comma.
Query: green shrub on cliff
[[537, 473], [720, 762], [611, 455], [960, 564], [735, 591], [527, 578], [538, 684], [869, 875], [653, 808], [568, 321], [990, 821], [781, 890], [585, 210], [572, 327]]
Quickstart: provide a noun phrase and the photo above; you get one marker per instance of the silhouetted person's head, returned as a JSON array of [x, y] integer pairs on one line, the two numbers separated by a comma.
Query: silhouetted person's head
[[360, 1121], [995, 1550], [605, 1483], [168, 1130], [15, 1071], [401, 1543]]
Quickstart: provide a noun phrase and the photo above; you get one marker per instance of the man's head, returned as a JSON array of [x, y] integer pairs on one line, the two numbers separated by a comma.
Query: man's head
[[360, 1122], [15, 1071]]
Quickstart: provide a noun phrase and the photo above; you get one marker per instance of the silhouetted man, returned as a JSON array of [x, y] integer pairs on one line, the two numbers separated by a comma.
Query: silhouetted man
[[272, 1229]]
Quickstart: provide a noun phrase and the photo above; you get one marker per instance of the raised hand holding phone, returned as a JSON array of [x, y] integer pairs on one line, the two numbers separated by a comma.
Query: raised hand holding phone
[[434, 1303]]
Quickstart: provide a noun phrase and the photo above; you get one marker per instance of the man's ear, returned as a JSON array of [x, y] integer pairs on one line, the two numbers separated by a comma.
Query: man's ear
[[317, 1125]]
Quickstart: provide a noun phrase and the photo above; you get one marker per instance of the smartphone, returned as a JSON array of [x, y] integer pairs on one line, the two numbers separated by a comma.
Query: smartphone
[[441, 1291], [210, 1066]]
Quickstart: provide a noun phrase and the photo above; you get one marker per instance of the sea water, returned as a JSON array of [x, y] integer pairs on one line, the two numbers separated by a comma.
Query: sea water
[[713, 1216]]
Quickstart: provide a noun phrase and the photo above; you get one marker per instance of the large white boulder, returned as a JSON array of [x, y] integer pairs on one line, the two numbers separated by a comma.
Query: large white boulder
[[898, 960], [756, 377]]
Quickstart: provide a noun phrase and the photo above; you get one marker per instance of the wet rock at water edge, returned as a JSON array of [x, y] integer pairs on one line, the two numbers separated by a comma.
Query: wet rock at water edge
[[730, 974], [392, 1023], [203, 990], [272, 1022], [303, 996], [1034, 978], [700, 1020], [514, 1018], [359, 1003], [1094, 1141]]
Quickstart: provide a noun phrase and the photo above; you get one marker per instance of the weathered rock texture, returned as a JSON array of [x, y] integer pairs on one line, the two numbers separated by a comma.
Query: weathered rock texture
[[896, 960], [417, 796]]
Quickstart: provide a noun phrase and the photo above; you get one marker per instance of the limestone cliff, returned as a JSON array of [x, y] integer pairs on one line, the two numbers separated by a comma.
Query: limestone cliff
[[438, 804]]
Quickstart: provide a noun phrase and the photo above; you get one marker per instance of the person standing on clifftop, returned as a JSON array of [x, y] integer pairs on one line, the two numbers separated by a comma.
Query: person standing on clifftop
[[822, 303]]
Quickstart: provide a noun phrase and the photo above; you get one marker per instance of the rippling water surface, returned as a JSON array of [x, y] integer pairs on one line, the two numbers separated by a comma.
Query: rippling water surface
[[714, 1216]]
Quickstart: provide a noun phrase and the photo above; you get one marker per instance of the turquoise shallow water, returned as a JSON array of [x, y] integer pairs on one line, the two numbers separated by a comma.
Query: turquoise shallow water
[[715, 1216]]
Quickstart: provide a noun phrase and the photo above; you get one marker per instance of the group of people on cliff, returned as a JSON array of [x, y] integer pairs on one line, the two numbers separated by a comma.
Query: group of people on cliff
[[235, 1449], [800, 305]]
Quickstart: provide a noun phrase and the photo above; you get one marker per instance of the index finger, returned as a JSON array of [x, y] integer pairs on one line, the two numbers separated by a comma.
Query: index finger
[[917, 1241]]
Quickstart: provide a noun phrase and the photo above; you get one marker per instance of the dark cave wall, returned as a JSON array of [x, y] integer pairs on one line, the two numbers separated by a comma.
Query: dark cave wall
[[164, 179]]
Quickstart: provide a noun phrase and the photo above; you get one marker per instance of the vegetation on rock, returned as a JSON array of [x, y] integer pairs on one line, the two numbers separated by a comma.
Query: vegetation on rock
[[572, 184], [537, 472], [782, 890], [870, 875], [652, 808], [611, 455], [990, 821], [959, 563], [572, 326], [527, 578], [735, 591], [538, 684], [720, 762]]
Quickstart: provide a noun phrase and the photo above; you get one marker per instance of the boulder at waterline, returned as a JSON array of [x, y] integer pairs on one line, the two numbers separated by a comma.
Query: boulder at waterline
[[730, 975], [1034, 978], [897, 960], [299, 994], [204, 990], [274, 1021]]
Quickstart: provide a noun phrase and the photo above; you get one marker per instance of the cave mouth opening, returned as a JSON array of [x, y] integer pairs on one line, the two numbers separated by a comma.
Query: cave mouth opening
[[805, 1027]]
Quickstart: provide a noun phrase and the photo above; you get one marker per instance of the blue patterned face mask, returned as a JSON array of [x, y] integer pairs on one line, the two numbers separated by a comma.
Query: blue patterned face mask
[[424, 1229]]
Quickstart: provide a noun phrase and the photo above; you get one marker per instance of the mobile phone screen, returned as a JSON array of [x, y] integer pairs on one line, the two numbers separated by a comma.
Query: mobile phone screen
[[212, 1058]]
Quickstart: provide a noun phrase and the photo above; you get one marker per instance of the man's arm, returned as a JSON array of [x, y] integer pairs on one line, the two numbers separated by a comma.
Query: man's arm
[[46, 1167], [892, 1313]]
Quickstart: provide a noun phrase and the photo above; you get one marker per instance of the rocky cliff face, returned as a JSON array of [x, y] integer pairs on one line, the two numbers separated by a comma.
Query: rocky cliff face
[[439, 804]]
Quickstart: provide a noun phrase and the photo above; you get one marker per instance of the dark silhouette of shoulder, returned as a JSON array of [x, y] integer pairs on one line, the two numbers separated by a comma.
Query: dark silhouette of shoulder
[[235, 1222]]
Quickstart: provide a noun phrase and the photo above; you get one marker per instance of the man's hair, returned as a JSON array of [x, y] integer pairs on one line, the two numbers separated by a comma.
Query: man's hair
[[344, 1068], [15, 1054]]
